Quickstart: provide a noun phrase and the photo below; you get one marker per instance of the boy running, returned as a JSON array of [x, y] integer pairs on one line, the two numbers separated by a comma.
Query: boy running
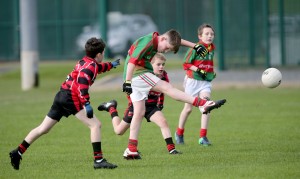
[[153, 113], [73, 99], [139, 79]]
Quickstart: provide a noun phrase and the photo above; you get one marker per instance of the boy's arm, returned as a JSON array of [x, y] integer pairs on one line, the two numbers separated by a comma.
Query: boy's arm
[[199, 48], [187, 43], [129, 71], [127, 84]]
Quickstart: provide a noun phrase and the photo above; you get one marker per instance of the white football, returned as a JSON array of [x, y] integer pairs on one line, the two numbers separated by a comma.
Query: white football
[[271, 77]]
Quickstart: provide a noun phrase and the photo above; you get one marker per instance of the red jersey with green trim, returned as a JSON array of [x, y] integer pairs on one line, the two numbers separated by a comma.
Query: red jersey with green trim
[[206, 63], [141, 53], [83, 76]]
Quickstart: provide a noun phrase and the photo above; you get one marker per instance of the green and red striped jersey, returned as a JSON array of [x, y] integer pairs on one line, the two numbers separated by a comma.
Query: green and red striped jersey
[[141, 53], [206, 63]]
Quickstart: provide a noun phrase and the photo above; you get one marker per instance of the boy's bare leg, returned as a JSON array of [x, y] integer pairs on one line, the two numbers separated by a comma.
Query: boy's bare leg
[[42, 129], [174, 93], [93, 123], [205, 106], [139, 112], [120, 126], [159, 119]]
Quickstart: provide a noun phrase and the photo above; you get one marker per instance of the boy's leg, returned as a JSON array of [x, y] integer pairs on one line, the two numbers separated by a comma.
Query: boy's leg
[[159, 119], [179, 134], [94, 124], [205, 106], [139, 112], [204, 123], [34, 134], [120, 127]]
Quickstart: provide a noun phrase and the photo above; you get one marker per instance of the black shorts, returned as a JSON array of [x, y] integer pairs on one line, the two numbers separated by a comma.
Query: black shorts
[[63, 105], [150, 110]]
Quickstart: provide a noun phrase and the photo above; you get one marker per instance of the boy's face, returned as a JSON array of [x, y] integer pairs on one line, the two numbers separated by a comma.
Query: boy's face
[[99, 57], [164, 45], [158, 66], [207, 36]]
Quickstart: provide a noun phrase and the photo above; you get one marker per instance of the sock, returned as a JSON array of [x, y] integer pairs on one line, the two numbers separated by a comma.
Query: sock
[[170, 144], [132, 145], [113, 112], [199, 102], [179, 131], [23, 147], [203, 133], [97, 150]]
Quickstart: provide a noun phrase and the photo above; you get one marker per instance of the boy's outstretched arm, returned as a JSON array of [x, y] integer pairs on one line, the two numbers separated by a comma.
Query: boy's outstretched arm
[[199, 48]]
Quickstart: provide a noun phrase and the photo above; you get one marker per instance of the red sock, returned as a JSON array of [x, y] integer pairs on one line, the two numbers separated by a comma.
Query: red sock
[[179, 131], [171, 147], [203, 132], [198, 102], [132, 145], [113, 112]]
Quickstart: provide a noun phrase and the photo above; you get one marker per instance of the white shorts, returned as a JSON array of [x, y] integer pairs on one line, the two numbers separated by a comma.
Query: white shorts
[[141, 85], [194, 87]]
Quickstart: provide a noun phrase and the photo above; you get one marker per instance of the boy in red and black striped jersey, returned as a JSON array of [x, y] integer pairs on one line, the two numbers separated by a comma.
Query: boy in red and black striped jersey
[[73, 99], [139, 79], [154, 105], [197, 83]]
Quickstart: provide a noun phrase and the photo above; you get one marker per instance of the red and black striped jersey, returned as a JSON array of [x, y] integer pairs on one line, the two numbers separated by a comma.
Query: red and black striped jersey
[[83, 76]]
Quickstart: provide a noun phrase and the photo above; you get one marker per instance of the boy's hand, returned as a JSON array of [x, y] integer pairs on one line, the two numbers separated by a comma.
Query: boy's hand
[[127, 87], [160, 106], [115, 63], [202, 73], [200, 50], [89, 110]]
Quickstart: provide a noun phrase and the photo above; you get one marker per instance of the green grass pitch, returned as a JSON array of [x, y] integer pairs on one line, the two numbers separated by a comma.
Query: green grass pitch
[[255, 135]]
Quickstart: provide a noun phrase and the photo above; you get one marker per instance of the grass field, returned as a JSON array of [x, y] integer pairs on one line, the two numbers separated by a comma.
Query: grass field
[[255, 135]]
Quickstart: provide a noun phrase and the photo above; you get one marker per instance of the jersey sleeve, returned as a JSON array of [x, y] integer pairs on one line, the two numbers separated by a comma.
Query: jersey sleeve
[[189, 56], [104, 67]]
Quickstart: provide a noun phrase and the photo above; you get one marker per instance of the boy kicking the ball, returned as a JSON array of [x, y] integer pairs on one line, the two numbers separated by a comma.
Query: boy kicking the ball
[[73, 99], [154, 106], [139, 79]]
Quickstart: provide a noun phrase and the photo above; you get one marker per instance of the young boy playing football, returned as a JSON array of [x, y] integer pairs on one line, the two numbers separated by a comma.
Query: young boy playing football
[[154, 105], [197, 82], [73, 99], [139, 79]]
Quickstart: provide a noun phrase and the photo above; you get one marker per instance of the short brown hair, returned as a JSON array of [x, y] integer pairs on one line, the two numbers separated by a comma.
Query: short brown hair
[[94, 46], [201, 27], [174, 39]]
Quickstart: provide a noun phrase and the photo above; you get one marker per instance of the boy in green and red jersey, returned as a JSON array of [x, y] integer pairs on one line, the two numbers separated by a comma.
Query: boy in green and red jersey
[[154, 105], [139, 80], [197, 82]]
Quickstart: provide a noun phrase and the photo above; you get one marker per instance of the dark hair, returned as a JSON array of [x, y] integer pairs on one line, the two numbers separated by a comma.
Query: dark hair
[[201, 27], [174, 39], [94, 46]]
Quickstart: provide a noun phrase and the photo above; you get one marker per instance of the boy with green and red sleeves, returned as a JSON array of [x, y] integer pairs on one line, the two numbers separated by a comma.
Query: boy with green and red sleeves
[[139, 80], [197, 82]]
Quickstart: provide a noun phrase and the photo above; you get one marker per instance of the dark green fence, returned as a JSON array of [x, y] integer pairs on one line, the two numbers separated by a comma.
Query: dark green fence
[[249, 32]]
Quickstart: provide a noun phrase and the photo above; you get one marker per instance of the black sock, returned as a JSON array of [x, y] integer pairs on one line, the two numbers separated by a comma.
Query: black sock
[[97, 150], [23, 147], [170, 144]]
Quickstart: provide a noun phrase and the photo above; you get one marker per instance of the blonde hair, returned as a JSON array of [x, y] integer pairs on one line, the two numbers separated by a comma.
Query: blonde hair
[[159, 56]]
